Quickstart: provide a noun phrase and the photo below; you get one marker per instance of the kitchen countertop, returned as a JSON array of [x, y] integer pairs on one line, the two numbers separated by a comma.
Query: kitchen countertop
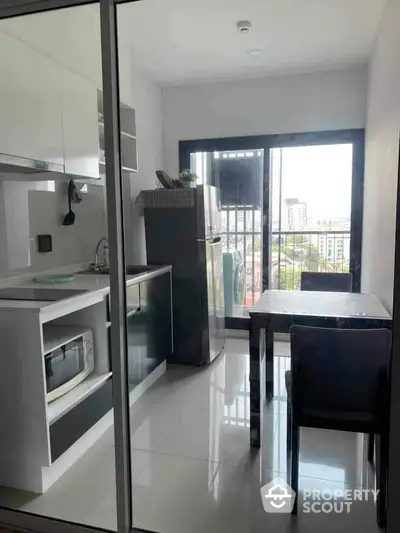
[[97, 286]]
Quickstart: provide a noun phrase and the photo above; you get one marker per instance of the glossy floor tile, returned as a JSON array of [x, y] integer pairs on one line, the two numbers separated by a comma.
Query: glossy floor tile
[[192, 468]]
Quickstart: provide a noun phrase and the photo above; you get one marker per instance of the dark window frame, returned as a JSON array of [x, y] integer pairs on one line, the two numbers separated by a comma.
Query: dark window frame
[[265, 142]]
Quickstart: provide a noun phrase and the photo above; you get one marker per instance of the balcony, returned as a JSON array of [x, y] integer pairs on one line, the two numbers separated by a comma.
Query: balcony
[[242, 232], [291, 252], [311, 251]]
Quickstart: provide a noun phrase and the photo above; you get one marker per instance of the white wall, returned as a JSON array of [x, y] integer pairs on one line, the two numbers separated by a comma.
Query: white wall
[[71, 38], [382, 152], [380, 194], [287, 104], [28, 209], [146, 98]]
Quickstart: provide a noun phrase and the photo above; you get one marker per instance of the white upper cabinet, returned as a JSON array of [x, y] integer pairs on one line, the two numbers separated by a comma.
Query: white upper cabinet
[[47, 112], [30, 103], [80, 126]]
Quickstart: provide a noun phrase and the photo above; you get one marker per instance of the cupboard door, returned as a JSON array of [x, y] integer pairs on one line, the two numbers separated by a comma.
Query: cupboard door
[[80, 126], [135, 337], [156, 310], [30, 103]]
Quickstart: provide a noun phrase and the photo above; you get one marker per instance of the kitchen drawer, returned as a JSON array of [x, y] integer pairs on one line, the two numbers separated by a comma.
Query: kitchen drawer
[[68, 429]]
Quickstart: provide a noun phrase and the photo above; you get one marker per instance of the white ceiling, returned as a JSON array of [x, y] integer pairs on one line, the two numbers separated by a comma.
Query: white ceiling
[[184, 41]]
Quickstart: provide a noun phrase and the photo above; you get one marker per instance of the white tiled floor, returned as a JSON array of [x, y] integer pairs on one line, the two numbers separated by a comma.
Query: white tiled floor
[[193, 470]]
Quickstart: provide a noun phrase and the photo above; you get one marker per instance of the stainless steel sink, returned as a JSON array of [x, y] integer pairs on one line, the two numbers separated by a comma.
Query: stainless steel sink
[[131, 270]]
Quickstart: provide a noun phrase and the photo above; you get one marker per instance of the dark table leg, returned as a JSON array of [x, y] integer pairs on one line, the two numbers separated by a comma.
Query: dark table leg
[[269, 360], [255, 391]]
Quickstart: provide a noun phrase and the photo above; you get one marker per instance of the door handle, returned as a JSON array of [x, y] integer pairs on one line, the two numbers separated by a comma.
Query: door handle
[[211, 240], [133, 312]]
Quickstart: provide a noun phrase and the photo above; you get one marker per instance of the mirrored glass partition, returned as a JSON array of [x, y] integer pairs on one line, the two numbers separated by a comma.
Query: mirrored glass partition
[[56, 319]]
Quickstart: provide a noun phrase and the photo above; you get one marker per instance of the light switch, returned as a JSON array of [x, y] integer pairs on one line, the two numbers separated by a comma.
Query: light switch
[[45, 243]]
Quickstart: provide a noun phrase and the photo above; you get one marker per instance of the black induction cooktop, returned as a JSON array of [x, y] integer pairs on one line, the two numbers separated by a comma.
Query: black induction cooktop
[[39, 294]]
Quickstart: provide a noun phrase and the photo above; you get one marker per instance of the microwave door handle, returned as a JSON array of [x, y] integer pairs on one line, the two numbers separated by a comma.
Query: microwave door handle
[[88, 345]]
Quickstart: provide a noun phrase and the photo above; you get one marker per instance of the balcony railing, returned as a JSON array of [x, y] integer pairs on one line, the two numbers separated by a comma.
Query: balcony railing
[[291, 252], [307, 251]]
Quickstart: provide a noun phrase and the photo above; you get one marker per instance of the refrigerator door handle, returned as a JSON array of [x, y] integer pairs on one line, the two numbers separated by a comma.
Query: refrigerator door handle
[[211, 240]]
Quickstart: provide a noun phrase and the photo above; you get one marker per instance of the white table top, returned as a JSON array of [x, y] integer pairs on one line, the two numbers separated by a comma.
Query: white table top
[[323, 304]]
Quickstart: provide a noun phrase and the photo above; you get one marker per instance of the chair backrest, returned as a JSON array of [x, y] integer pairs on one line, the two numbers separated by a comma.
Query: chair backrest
[[338, 369], [326, 281]]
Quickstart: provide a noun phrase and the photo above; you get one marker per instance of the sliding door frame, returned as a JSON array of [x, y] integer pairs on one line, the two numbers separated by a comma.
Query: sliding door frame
[[258, 142], [266, 142], [356, 137], [110, 72]]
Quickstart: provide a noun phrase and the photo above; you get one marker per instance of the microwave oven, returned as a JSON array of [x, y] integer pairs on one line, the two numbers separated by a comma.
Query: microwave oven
[[68, 358]]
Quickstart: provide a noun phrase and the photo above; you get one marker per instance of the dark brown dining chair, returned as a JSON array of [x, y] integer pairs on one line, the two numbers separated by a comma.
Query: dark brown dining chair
[[339, 380], [332, 282], [326, 281]]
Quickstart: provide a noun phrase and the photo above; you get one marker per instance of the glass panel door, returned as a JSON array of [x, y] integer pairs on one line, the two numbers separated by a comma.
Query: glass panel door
[[57, 460], [239, 175], [311, 212]]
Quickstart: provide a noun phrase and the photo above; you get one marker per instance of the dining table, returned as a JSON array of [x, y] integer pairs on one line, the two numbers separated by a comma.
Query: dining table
[[277, 310]]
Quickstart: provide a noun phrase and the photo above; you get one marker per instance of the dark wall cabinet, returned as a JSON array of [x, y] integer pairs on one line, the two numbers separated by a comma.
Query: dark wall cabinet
[[149, 326]]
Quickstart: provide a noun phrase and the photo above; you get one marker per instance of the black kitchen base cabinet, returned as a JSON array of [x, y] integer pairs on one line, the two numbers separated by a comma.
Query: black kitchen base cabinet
[[149, 329], [68, 429], [149, 326]]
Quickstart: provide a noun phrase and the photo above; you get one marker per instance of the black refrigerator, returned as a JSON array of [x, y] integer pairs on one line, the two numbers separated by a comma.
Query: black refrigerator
[[183, 229]]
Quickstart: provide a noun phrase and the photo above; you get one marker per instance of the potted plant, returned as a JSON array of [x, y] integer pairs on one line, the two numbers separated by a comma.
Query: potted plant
[[188, 178]]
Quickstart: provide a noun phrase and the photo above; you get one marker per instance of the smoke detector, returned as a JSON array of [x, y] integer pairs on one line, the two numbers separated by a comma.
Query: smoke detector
[[244, 26]]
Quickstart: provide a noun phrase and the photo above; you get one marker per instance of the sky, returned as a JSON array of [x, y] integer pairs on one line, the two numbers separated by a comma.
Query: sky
[[320, 176]]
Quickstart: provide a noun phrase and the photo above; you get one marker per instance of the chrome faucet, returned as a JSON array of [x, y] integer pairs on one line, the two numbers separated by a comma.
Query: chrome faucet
[[99, 266]]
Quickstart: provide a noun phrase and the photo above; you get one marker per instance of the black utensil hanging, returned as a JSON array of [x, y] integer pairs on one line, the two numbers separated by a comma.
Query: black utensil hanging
[[73, 195]]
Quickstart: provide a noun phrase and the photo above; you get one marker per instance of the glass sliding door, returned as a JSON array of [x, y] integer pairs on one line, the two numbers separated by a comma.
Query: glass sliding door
[[316, 206], [311, 212], [238, 173], [240, 180], [64, 392], [289, 203]]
